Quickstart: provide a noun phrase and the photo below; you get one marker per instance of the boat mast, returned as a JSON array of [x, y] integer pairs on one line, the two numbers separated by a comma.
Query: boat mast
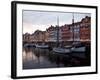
[[57, 31], [73, 26]]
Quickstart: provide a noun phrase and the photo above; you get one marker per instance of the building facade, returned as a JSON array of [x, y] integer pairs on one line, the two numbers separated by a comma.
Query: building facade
[[85, 29], [53, 33], [77, 31], [26, 37], [66, 34]]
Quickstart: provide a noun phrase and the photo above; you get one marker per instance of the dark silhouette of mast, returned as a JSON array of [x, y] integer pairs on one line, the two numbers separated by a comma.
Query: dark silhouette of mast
[[57, 31], [73, 26]]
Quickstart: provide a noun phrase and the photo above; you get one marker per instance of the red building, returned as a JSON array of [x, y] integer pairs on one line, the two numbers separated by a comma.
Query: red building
[[85, 29], [66, 33]]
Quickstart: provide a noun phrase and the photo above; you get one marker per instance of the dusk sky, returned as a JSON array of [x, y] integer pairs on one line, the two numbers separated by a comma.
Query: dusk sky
[[40, 20]]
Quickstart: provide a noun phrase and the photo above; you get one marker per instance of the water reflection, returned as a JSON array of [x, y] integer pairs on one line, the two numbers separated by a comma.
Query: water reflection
[[43, 58]]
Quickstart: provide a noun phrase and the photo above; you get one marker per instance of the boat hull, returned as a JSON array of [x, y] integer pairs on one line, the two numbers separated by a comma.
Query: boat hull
[[61, 50], [29, 45], [42, 46], [78, 49]]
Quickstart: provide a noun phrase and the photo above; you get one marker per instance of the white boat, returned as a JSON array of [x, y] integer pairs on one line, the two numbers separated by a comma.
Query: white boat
[[78, 49], [42, 46], [61, 50], [68, 46]]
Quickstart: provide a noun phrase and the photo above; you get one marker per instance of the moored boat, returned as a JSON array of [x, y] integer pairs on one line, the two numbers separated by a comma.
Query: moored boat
[[42, 46], [78, 49], [29, 45], [61, 50]]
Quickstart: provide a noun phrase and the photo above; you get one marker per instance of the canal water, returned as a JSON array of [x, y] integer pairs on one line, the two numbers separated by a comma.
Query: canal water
[[36, 58]]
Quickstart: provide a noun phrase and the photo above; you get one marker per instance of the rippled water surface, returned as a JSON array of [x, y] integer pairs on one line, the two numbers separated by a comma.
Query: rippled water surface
[[35, 58]]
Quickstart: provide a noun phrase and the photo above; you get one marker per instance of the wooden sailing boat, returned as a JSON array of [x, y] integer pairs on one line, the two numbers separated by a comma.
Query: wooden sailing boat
[[76, 46], [59, 49], [42, 46]]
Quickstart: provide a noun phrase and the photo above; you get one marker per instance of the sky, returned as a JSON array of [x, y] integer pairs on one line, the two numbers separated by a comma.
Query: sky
[[41, 20]]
